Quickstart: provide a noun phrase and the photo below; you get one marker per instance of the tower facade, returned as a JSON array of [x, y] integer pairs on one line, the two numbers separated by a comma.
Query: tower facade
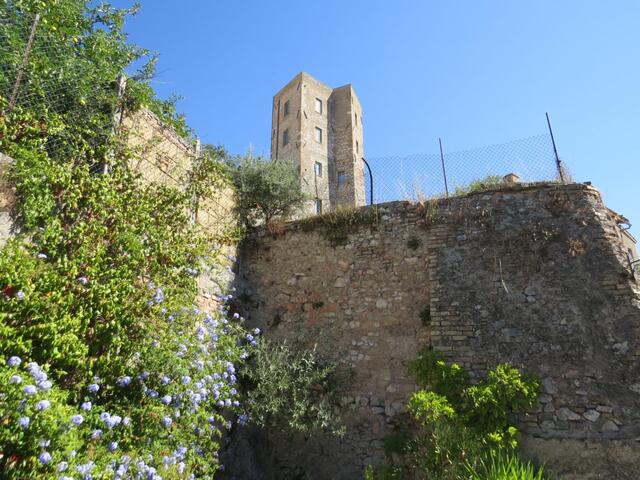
[[319, 128]]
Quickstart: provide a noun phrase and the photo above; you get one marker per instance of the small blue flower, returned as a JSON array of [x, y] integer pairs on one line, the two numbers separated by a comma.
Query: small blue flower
[[113, 421], [62, 466], [95, 434], [15, 379], [86, 406], [85, 468], [83, 280], [166, 399], [167, 421], [14, 361], [126, 421], [20, 295], [165, 380], [44, 457], [124, 381], [24, 422], [256, 331], [186, 379], [93, 388], [77, 419], [243, 419], [113, 446], [43, 405], [42, 256], [45, 385], [44, 443], [30, 390]]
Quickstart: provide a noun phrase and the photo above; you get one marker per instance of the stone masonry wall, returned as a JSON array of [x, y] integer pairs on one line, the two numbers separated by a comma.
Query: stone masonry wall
[[535, 276]]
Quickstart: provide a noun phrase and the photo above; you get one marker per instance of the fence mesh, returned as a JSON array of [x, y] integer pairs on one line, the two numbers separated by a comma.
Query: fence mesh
[[422, 176], [41, 71], [44, 71]]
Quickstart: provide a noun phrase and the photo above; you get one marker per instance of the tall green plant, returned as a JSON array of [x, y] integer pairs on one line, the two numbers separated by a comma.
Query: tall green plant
[[291, 388], [266, 189], [108, 369], [460, 422]]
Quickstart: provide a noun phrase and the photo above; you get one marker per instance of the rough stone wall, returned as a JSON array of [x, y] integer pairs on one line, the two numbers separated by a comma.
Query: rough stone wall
[[531, 275]]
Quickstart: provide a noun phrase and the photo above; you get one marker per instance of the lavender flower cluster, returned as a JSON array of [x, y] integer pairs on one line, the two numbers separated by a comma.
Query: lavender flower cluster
[[192, 390]]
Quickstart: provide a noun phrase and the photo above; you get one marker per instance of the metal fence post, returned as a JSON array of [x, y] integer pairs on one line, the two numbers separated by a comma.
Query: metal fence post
[[370, 181], [555, 151], [23, 64], [444, 171]]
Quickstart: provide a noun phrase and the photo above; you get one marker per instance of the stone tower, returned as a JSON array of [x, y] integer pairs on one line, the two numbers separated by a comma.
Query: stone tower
[[320, 130]]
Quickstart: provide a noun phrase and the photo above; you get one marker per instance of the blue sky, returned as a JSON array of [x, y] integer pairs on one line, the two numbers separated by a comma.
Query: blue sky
[[472, 72]]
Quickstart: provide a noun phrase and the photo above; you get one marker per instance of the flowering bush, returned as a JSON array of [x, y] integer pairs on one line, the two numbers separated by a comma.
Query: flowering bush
[[108, 369]]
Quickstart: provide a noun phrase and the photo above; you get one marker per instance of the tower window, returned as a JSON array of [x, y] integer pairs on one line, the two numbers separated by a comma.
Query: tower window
[[286, 108], [356, 119], [318, 135], [317, 168], [318, 206], [357, 147], [342, 178], [318, 105], [285, 138]]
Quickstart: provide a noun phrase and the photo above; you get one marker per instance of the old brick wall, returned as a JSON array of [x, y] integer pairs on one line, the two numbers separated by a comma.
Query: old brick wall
[[531, 275]]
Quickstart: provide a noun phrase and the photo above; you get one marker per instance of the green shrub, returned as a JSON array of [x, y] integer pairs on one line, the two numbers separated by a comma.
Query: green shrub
[[266, 190], [489, 182], [97, 293], [460, 422], [504, 466], [291, 388]]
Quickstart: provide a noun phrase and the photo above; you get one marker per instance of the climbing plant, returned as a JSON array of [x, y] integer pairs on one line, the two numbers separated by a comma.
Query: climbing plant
[[108, 368]]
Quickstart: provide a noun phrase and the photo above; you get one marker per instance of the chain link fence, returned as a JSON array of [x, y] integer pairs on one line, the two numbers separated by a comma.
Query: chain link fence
[[424, 176], [43, 72]]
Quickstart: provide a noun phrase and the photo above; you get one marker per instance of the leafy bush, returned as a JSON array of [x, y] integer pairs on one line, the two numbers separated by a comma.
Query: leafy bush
[[460, 422], [505, 466], [266, 189], [291, 388], [108, 368], [487, 183], [98, 296]]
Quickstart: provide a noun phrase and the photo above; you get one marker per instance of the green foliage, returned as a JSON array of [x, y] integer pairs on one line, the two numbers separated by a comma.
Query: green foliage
[[461, 422], [337, 225], [432, 372], [100, 286], [266, 189], [384, 472], [489, 182], [97, 293], [291, 388], [396, 442], [504, 466]]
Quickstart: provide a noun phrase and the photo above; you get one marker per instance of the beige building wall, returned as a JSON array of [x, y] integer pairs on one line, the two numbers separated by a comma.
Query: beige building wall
[[161, 156], [315, 126]]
